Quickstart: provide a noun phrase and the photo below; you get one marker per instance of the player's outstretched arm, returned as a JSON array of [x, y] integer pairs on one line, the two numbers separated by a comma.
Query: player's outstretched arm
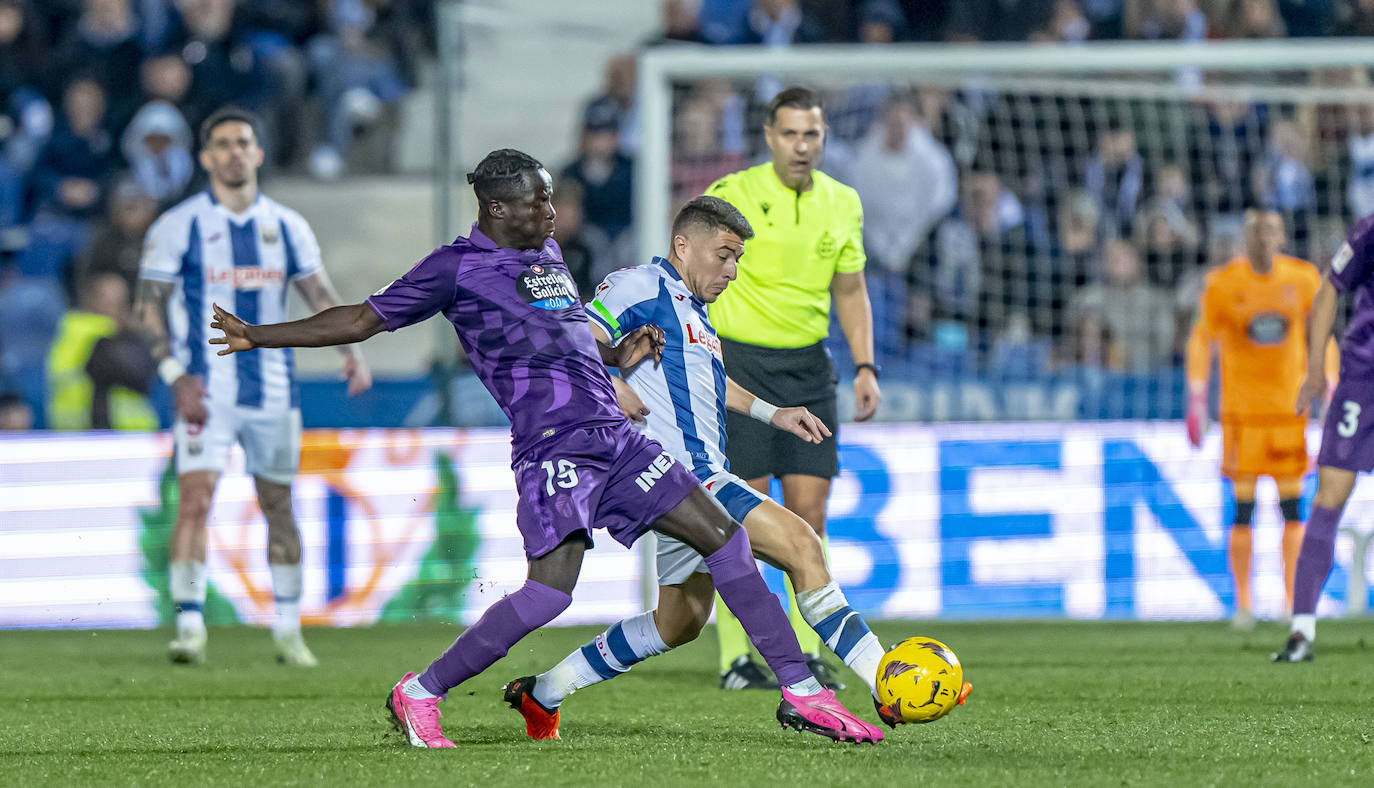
[[319, 293], [798, 421], [338, 325]]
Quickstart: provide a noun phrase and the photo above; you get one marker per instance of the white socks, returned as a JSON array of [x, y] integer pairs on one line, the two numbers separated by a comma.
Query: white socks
[[286, 592], [1305, 624], [187, 584], [414, 689], [843, 630], [623, 645], [809, 687]]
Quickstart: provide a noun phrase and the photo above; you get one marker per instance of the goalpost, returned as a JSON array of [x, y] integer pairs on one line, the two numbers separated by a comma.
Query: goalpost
[[1161, 145], [1071, 151], [1011, 66]]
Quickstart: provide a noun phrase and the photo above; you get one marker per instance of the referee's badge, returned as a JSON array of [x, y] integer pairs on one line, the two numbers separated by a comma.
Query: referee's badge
[[826, 246]]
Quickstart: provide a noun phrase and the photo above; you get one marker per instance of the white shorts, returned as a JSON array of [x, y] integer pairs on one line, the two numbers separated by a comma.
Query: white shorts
[[271, 441], [676, 561]]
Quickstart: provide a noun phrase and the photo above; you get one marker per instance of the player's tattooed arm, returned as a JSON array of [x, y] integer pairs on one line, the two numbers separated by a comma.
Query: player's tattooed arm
[[150, 311], [318, 291]]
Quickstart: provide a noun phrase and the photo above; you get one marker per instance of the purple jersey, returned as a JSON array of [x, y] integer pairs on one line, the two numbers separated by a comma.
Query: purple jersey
[[518, 316], [1352, 270]]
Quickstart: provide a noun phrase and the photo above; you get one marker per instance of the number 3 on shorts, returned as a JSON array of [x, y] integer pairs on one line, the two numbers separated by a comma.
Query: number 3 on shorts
[[1351, 422], [565, 473]]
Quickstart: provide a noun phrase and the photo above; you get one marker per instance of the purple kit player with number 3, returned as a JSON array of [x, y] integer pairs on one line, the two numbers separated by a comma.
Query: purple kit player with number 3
[[1348, 435], [577, 462]]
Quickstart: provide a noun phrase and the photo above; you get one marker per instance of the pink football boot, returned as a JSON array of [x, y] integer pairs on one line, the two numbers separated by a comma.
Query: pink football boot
[[823, 714], [417, 718]]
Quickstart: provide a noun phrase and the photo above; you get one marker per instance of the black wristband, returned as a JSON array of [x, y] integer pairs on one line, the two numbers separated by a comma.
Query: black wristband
[[872, 367]]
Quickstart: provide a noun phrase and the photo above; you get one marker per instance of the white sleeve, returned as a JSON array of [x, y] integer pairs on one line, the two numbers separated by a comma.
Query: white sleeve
[[625, 301], [303, 250], [163, 247]]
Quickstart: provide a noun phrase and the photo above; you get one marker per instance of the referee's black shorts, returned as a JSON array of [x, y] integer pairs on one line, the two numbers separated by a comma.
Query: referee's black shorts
[[786, 377]]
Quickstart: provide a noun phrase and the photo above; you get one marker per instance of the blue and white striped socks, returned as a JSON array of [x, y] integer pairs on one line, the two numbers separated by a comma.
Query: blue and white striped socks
[[843, 630], [622, 646]]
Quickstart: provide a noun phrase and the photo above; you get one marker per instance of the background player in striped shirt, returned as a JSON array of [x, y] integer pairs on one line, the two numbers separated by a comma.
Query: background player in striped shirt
[[1253, 314], [232, 244], [687, 395]]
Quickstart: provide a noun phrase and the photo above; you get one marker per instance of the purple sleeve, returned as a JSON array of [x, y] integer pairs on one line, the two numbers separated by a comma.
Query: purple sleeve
[[425, 290], [1353, 261]]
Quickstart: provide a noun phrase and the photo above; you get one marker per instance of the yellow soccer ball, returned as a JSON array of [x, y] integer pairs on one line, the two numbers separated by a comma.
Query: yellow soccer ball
[[921, 679]]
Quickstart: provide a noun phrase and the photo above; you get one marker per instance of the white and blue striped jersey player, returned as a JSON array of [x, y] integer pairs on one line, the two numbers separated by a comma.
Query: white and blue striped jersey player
[[243, 262], [685, 393]]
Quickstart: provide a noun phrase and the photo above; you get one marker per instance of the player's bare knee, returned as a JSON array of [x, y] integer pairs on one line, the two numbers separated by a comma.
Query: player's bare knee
[[680, 626], [193, 507], [558, 569], [699, 522], [806, 554], [1334, 486], [814, 515]]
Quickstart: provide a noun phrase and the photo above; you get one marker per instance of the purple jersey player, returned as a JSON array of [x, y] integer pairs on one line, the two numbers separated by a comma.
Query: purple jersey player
[[1348, 434], [578, 464]]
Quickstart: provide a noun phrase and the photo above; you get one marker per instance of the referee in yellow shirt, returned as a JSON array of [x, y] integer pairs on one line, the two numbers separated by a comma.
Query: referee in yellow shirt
[[807, 249]]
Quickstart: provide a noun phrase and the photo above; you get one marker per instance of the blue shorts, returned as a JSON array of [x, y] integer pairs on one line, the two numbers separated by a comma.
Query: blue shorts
[[677, 561]]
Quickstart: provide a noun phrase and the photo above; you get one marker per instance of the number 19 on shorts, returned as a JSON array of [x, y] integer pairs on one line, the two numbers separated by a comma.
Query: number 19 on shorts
[[564, 474]]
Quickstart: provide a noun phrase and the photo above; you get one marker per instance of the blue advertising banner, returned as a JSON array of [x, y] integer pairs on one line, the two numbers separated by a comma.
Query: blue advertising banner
[[1089, 520]]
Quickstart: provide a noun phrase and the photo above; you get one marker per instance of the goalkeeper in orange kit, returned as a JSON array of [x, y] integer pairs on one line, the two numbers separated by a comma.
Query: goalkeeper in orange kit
[[1254, 311]]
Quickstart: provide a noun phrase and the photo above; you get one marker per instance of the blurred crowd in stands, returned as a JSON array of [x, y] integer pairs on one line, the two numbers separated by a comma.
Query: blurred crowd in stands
[[1012, 230], [100, 101]]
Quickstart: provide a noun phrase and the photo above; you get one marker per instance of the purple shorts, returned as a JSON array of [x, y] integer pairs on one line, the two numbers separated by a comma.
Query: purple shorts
[[595, 477], [1348, 434]]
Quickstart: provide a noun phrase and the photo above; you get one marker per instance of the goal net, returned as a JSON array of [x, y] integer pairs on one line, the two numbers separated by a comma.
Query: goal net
[[1036, 218]]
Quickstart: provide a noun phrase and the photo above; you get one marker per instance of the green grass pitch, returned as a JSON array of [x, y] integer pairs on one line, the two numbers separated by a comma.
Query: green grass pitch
[[1054, 704]]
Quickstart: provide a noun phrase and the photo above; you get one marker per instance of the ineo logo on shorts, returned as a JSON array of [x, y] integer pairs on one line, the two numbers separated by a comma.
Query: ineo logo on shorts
[[650, 476], [546, 288], [1267, 328]]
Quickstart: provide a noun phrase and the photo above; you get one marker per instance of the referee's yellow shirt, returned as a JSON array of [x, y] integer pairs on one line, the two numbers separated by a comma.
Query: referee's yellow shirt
[[801, 240]]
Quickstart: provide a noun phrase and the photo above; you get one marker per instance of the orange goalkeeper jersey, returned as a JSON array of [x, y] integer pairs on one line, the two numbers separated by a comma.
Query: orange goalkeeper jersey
[[1259, 325]]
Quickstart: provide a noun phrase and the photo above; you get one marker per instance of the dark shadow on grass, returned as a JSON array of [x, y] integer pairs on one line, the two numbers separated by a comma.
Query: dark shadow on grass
[[315, 697], [208, 749]]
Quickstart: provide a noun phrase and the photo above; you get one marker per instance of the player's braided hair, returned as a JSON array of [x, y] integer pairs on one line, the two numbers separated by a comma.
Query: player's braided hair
[[712, 213], [501, 174]]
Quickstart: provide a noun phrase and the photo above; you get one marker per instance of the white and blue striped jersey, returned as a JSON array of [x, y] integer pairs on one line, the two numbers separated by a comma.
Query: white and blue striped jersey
[[685, 393], [243, 262]]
